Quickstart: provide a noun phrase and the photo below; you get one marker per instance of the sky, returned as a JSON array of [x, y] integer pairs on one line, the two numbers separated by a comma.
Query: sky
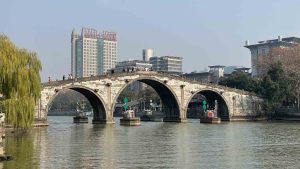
[[203, 32]]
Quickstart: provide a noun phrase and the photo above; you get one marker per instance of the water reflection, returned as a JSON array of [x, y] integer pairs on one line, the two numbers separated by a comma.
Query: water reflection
[[156, 145], [21, 146]]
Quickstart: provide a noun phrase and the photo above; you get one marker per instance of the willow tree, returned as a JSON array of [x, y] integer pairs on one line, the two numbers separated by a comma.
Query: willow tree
[[20, 83]]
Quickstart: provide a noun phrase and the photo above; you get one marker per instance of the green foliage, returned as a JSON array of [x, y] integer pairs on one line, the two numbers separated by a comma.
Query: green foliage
[[147, 93], [21, 146], [20, 83], [128, 94], [68, 100], [277, 87], [241, 81]]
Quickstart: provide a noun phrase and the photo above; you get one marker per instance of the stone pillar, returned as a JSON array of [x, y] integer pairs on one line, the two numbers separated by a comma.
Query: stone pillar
[[181, 117], [233, 107], [182, 109], [109, 113]]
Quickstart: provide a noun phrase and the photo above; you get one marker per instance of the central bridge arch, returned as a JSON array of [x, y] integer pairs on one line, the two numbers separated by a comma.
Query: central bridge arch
[[167, 95]]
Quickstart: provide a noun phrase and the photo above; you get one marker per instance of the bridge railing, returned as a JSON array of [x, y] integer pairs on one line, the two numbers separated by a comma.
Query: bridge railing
[[132, 73]]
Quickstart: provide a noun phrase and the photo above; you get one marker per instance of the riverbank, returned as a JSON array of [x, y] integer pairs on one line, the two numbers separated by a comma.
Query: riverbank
[[288, 114], [35, 124]]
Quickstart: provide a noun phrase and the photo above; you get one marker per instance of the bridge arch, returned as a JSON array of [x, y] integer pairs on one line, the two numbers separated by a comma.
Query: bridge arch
[[97, 103], [211, 95], [166, 93]]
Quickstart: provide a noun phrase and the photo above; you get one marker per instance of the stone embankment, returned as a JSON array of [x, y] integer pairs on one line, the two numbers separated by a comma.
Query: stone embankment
[[3, 156]]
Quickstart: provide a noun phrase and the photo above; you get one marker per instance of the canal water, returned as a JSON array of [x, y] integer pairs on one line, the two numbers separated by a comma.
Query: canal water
[[64, 144]]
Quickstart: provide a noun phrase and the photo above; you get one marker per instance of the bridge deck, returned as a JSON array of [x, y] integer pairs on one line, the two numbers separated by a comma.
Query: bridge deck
[[143, 73]]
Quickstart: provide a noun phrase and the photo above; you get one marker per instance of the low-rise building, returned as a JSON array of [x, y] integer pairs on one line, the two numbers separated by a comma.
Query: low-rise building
[[132, 65], [230, 70], [170, 64], [199, 76], [215, 73], [212, 76]]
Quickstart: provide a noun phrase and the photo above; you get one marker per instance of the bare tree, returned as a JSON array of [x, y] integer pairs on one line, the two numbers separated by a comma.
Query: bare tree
[[290, 60], [288, 57]]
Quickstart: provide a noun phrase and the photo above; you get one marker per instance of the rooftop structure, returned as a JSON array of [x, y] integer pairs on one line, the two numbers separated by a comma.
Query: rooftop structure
[[199, 76], [217, 72], [228, 70], [279, 42], [147, 54]]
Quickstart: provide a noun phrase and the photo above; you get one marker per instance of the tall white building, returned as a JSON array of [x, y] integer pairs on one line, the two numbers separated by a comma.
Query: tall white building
[[92, 53]]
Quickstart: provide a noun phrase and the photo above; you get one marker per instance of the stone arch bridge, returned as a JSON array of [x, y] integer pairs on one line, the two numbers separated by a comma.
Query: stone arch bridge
[[175, 93]]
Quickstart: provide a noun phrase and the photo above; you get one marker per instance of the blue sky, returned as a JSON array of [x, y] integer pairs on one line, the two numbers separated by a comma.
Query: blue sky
[[203, 32]]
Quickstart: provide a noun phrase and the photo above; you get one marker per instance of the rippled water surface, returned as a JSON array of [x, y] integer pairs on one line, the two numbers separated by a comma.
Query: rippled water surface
[[64, 144]]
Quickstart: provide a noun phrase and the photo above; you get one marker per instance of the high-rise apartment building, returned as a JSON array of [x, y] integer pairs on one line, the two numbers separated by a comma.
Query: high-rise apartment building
[[170, 64], [92, 53]]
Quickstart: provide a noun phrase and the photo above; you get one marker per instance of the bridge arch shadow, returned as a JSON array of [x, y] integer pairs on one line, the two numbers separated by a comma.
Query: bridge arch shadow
[[99, 109], [168, 97], [211, 96]]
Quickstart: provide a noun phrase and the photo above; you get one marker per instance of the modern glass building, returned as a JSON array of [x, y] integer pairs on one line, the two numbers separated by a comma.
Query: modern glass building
[[92, 53]]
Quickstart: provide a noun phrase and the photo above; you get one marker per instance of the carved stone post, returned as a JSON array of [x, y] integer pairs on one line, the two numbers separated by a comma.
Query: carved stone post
[[109, 114], [182, 110], [233, 105]]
